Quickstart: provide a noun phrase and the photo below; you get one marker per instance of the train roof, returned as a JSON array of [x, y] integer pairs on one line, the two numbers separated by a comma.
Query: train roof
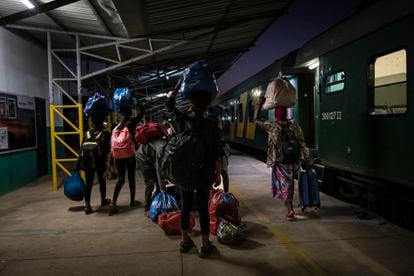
[[364, 21], [286, 65]]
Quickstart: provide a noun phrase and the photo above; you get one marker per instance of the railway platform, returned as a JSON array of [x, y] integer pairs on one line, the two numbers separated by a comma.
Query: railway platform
[[43, 233]]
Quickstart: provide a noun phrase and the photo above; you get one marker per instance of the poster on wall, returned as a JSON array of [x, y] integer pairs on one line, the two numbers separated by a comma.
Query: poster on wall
[[17, 123]]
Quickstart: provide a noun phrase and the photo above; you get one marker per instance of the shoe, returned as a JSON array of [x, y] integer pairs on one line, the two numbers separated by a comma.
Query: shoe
[[206, 252], [135, 203], [105, 202], [146, 213], [88, 210], [186, 246], [113, 210]]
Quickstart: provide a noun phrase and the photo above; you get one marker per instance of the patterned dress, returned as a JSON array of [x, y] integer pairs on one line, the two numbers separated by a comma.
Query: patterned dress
[[282, 174]]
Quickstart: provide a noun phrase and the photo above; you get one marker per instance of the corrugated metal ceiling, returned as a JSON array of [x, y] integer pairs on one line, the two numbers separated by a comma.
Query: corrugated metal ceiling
[[218, 31]]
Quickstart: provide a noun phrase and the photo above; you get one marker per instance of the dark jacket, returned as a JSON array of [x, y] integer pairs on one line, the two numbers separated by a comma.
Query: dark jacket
[[205, 127]]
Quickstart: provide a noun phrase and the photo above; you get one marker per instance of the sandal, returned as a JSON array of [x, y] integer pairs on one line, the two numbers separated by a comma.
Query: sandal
[[113, 210], [135, 203], [206, 252], [88, 210], [105, 202], [290, 216], [186, 246]]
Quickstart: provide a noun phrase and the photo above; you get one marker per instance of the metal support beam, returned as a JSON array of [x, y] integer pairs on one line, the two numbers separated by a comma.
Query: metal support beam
[[113, 67], [78, 69], [50, 67], [37, 10]]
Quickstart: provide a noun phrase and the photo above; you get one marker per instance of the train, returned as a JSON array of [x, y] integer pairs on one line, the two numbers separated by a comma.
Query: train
[[355, 94]]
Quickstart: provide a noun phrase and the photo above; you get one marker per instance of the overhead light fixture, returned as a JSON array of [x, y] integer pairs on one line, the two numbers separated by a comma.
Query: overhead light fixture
[[314, 65], [28, 4]]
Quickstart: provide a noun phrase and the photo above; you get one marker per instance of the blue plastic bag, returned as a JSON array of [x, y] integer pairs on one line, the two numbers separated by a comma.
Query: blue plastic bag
[[97, 105], [74, 187], [162, 203], [198, 78], [123, 98]]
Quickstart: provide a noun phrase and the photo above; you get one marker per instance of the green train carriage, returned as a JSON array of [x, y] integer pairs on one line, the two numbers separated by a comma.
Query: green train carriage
[[355, 99]]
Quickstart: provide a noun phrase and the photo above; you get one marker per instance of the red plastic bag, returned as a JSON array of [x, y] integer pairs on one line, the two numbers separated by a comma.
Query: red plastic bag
[[223, 205], [171, 222], [147, 132]]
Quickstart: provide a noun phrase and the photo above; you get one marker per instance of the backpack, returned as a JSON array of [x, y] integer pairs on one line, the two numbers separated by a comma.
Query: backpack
[[90, 148], [147, 132], [122, 145], [183, 160], [288, 147]]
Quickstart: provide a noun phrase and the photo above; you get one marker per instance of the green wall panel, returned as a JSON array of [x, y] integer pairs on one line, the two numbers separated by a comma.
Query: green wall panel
[[17, 169]]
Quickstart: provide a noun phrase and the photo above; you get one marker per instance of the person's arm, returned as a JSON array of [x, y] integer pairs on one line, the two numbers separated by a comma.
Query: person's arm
[[159, 150], [257, 112], [179, 117], [218, 154]]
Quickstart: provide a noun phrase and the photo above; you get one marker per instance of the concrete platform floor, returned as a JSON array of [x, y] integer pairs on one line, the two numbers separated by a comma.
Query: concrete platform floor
[[43, 233]]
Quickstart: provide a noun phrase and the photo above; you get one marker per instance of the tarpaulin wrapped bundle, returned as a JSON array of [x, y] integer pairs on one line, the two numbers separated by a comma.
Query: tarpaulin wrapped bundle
[[280, 92], [223, 205], [228, 233], [123, 97], [171, 222], [74, 187], [162, 203], [198, 82], [97, 105]]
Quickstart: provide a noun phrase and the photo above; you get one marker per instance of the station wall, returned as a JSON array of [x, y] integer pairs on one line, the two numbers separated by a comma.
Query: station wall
[[23, 72]]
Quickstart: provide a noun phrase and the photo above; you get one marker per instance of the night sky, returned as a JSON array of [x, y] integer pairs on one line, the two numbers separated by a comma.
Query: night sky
[[305, 20]]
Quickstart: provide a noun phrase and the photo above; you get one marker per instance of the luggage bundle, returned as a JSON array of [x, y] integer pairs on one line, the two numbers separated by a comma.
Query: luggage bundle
[[74, 187], [162, 203], [308, 189], [123, 97], [229, 233], [171, 222], [144, 133], [280, 92], [97, 105], [223, 206], [199, 83]]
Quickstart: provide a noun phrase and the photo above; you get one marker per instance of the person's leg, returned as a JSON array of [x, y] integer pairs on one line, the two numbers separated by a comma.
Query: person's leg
[[149, 183], [207, 248], [121, 167], [289, 201], [131, 165], [89, 174], [226, 180], [100, 170], [187, 202]]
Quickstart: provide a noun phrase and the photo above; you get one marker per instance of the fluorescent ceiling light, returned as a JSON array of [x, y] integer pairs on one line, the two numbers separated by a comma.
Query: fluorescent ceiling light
[[28, 4], [313, 65]]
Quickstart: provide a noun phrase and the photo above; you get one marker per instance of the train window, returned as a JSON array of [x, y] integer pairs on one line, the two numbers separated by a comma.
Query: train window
[[335, 82], [251, 110], [240, 112], [388, 83]]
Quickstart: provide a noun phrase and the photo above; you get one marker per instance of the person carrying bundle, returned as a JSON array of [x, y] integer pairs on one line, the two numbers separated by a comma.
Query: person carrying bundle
[[286, 149], [193, 156], [95, 149], [123, 145]]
